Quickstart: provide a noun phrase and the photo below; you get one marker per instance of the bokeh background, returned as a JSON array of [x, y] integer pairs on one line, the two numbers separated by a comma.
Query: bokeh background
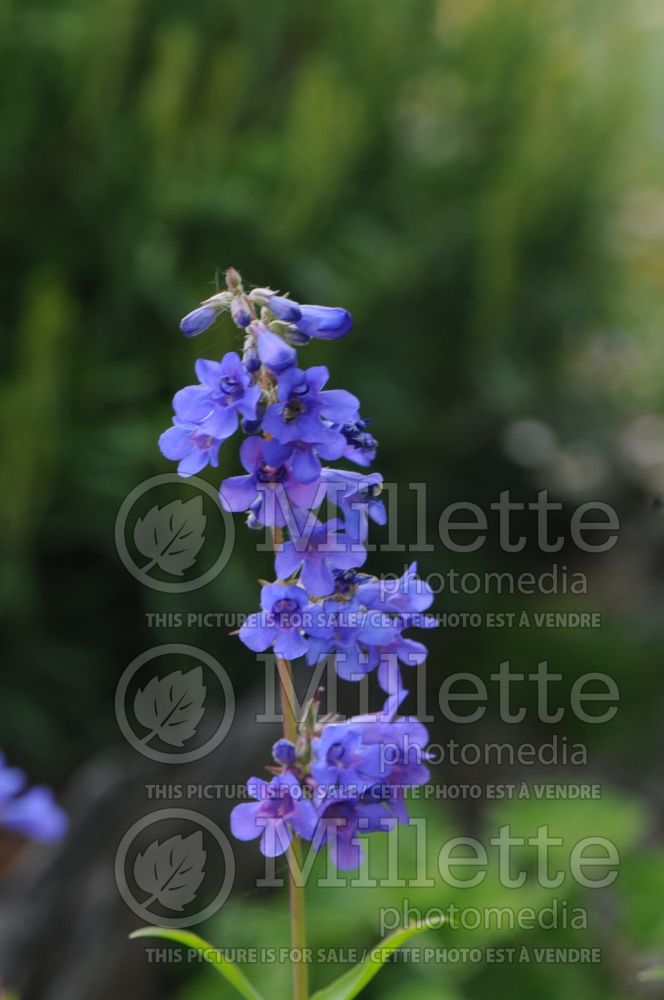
[[479, 181]]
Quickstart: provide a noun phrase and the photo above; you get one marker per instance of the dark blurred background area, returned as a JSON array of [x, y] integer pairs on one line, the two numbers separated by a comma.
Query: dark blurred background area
[[479, 182]]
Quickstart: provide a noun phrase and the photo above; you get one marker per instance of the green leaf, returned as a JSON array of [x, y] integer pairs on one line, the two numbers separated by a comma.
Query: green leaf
[[354, 981], [230, 972], [651, 975]]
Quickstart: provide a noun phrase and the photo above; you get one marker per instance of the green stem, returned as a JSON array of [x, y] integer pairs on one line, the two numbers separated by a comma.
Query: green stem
[[296, 891], [298, 924], [287, 696]]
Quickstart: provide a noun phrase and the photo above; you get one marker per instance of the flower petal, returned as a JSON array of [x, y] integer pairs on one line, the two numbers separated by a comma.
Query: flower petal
[[257, 636], [276, 838], [305, 819], [290, 644], [317, 577], [237, 493], [324, 322], [243, 821], [175, 442], [273, 351]]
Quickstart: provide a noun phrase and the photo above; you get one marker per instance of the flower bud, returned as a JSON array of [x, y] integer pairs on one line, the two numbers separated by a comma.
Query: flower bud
[[198, 320], [273, 350], [284, 309], [240, 311], [253, 426], [325, 322], [295, 337], [260, 296], [233, 280], [283, 752], [220, 301], [250, 358]]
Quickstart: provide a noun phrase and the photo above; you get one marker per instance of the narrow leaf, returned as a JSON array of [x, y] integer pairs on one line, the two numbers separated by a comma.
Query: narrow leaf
[[354, 981], [653, 975], [227, 969]]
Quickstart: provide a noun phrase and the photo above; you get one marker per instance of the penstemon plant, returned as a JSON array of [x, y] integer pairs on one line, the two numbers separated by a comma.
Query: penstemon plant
[[331, 779]]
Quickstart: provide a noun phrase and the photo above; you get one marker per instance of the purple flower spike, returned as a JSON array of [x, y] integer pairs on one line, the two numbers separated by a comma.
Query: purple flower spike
[[280, 622], [279, 811], [335, 780], [271, 487], [319, 549], [304, 412], [187, 444], [198, 320]]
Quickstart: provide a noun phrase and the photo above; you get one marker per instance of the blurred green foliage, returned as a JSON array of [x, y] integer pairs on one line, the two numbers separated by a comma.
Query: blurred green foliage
[[348, 917], [458, 173], [475, 179]]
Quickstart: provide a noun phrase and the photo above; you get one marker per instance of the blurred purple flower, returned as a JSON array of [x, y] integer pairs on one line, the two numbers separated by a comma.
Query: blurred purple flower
[[341, 821], [29, 811]]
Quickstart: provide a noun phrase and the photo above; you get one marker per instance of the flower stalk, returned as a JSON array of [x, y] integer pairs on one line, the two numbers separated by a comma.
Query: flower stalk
[[332, 780], [297, 923], [298, 926]]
